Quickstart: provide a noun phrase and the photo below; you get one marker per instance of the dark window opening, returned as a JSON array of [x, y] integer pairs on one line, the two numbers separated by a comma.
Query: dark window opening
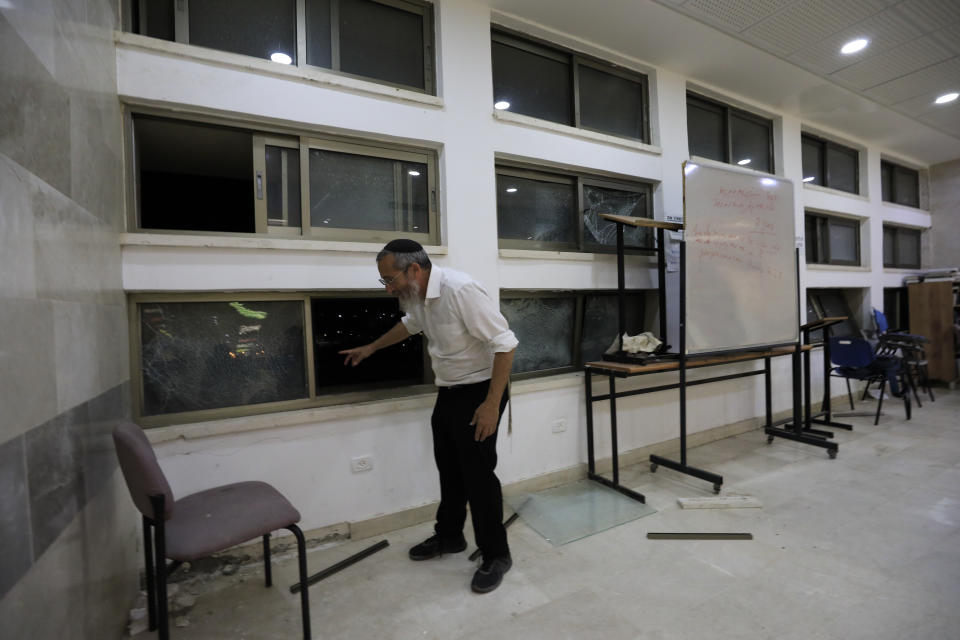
[[194, 177]]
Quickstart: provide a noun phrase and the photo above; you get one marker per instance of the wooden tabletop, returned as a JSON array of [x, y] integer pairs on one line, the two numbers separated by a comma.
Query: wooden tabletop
[[642, 222], [823, 322], [692, 361]]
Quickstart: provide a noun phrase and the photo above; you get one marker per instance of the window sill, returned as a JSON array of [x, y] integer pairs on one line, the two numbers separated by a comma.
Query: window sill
[[834, 192], [837, 267], [282, 419], [241, 62], [593, 136], [573, 256], [235, 242], [904, 270], [717, 164], [903, 207]]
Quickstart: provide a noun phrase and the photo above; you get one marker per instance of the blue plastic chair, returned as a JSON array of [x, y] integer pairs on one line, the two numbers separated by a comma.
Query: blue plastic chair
[[854, 358]]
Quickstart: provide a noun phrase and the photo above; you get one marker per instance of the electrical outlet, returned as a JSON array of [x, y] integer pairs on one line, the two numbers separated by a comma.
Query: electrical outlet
[[361, 463], [559, 425]]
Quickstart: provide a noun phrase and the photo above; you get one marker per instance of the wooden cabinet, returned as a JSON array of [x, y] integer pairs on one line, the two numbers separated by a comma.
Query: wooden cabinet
[[931, 316]]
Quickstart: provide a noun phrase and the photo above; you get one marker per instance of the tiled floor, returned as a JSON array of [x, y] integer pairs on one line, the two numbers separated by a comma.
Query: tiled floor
[[863, 546]]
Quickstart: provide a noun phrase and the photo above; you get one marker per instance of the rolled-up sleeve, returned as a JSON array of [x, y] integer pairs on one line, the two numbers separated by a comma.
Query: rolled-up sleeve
[[484, 320]]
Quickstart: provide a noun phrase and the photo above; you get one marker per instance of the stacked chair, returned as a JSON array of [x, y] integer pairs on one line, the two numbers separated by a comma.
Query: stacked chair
[[910, 348]]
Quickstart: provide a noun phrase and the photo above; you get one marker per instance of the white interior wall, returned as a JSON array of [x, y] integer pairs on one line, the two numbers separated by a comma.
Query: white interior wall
[[308, 457]]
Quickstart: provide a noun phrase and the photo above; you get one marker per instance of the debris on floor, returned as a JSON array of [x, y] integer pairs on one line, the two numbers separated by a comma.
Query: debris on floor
[[720, 502]]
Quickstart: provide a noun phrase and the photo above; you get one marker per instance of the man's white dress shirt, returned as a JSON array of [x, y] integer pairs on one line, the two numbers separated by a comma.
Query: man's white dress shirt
[[463, 326]]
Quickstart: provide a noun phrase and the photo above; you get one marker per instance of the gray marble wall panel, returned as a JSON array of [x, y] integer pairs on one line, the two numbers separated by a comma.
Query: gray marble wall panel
[[16, 553], [64, 365], [28, 368], [34, 112]]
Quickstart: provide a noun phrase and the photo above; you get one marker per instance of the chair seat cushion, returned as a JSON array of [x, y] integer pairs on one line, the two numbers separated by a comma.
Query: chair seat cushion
[[212, 520]]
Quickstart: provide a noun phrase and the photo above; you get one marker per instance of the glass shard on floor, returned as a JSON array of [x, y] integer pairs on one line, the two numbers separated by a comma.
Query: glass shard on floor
[[576, 510]]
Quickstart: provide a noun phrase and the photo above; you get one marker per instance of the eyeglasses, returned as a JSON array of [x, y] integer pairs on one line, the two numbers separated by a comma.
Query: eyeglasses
[[389, 282]]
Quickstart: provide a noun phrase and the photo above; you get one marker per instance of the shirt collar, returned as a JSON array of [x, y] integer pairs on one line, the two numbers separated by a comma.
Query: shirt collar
[[433, 284]]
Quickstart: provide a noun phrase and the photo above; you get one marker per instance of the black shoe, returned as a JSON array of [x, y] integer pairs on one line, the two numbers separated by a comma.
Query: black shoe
[[488, 576], [435, 546]]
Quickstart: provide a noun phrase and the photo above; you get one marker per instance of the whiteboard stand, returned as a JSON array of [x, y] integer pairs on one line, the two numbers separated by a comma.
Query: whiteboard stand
[[660, 461], [798, 428], [620, 355]]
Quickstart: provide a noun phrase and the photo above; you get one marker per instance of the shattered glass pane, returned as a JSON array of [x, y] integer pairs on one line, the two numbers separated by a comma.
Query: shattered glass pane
[[600, 322], [536, 210], [597, 230], [207, 355], [544, 327], [344, 323]]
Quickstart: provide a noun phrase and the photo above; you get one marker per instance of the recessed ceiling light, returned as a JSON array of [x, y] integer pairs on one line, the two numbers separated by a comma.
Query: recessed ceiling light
[[282, 58], [501, 105], [947, 97], [854, 45], [511, 189], [744, 162], [413, 173]]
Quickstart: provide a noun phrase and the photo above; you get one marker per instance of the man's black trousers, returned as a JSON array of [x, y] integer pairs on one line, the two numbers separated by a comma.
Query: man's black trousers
[[467, 469]]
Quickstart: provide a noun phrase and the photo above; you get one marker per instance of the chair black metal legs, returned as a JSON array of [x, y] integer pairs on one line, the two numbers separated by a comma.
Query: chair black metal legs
[[267, 574], [304, 596], [154, 552], [151, 585]]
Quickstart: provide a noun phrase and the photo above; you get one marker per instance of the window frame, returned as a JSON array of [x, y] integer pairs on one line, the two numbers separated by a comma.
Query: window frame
[[726, 110], [312, 399], [181, 17], [897, 259], [813, 300], [823, 223], [826, 145], [263, 136], [578, 179], [888, 182], [574, 60], [580, 296]]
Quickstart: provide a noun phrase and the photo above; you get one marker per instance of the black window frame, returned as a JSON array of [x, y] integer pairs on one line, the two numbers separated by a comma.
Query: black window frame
[[825, 145], [647, 298], [574, 60], [821, 243], [422, 8], [898, 261], [579, 179], [888, 183], [727, 112]]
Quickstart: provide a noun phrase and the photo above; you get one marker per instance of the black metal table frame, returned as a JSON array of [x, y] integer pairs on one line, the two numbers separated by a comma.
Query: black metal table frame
[[655, 460]]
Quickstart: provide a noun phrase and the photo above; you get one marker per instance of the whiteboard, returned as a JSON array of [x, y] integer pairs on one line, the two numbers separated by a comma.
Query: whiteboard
[[740, 266]]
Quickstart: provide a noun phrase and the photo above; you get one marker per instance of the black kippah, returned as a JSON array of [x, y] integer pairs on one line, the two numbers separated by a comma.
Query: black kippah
[[403, 245]]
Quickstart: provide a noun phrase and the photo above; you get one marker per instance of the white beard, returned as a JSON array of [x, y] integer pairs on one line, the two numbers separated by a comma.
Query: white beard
[[411, 299]]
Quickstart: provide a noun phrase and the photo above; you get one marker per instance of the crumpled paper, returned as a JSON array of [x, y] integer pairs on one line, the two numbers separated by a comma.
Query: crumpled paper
[[644, 342]]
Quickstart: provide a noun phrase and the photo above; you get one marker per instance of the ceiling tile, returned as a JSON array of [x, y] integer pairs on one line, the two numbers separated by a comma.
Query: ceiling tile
[[939, 77], [884, 30], [893, 64], [810, 21], [948, 37], [929, 15], [733, 15]]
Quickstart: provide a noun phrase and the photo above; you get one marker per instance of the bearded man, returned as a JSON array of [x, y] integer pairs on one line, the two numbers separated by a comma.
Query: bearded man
[[471, 349]]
